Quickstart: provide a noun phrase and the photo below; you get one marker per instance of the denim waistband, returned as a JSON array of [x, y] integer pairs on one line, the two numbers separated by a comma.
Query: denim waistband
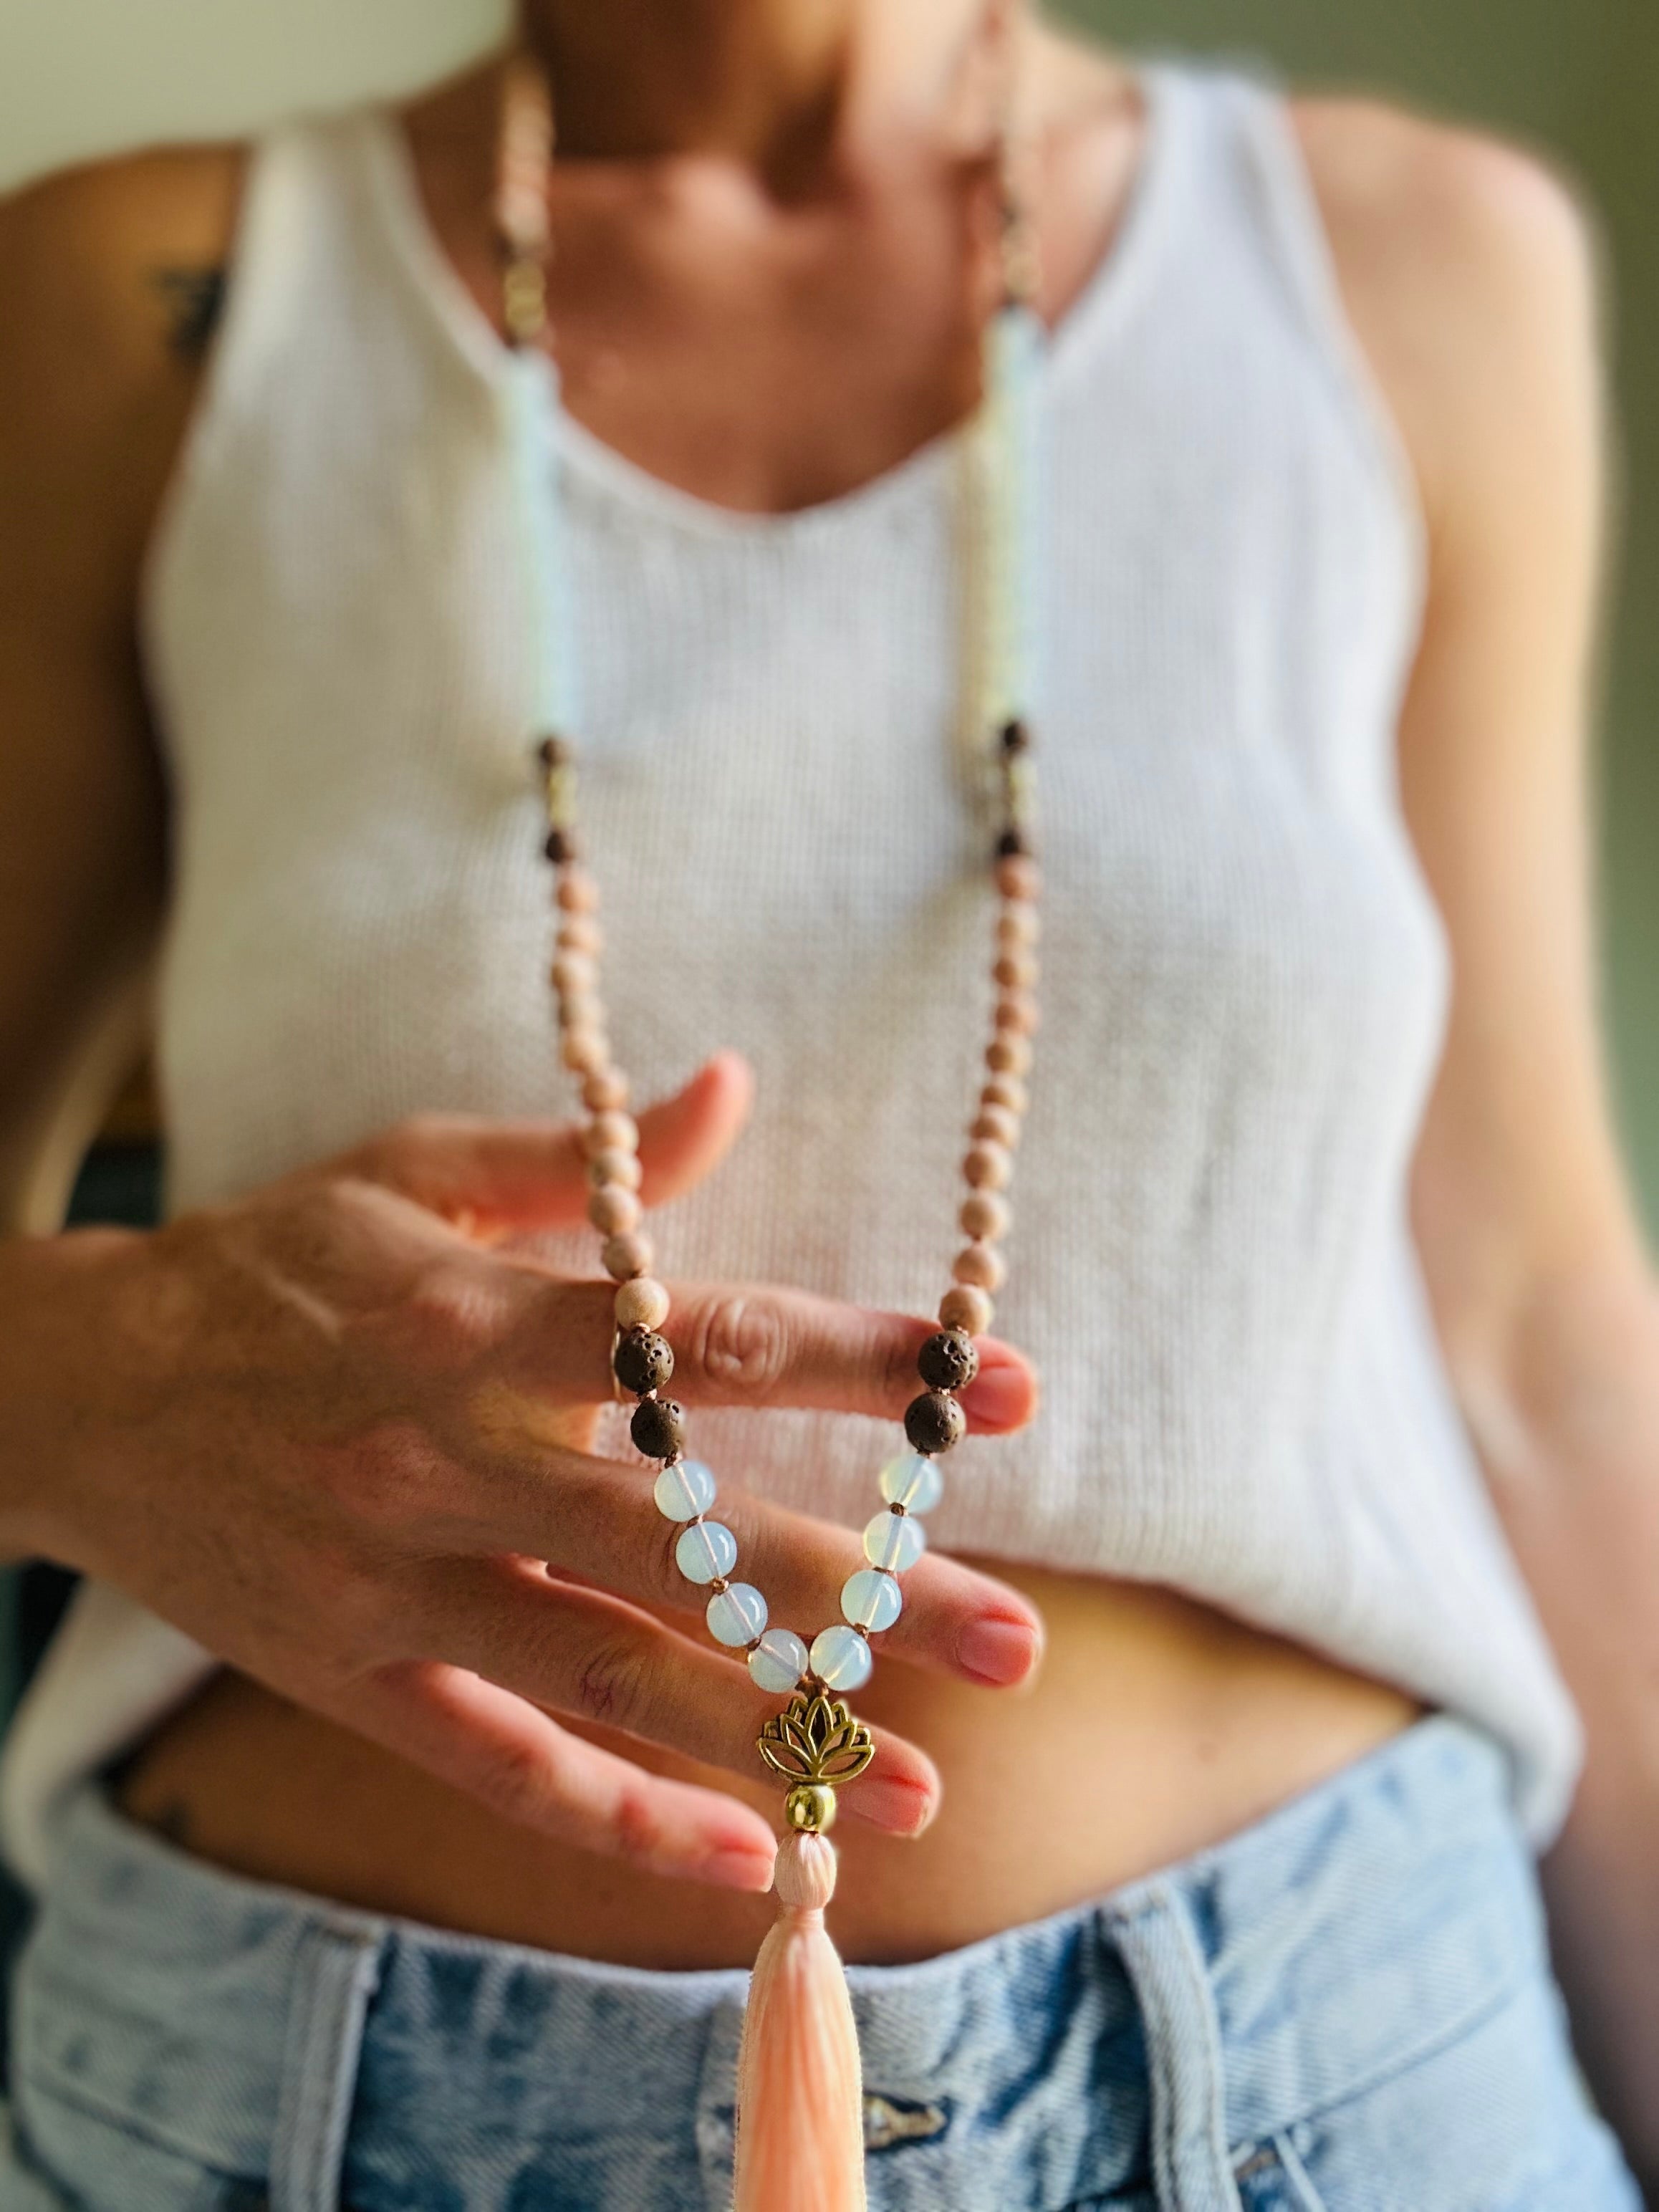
[[334, 2056]]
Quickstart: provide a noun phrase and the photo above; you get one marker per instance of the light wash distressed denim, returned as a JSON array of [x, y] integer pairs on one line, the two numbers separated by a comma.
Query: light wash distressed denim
[[1347, 2007]]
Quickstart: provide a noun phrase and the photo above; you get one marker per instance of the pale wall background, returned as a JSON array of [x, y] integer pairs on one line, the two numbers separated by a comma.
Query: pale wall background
[[1580, 77]]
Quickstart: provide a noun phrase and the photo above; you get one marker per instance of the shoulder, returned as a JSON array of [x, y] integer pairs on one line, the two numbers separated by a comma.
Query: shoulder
[[88, 252], [1469, 267], [109, 273]]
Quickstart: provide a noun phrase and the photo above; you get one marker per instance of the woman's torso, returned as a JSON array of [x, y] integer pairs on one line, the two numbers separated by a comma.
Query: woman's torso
[[1243, 978]]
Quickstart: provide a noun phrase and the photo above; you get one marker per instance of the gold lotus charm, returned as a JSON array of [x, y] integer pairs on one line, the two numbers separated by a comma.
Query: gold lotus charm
[[815, 1743]]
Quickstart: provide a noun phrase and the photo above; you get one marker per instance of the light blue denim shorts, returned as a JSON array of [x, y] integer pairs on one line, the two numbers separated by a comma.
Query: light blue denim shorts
[[1348, 2006]]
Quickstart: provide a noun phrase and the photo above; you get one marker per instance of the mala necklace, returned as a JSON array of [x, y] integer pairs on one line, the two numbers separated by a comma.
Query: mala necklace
[[799, 2145]]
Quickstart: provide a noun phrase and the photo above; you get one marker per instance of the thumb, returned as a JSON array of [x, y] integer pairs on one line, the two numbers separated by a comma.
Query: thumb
[[490, 1178]]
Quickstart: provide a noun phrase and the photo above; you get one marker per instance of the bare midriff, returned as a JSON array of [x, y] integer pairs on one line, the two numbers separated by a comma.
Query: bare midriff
[[1156, 1727]]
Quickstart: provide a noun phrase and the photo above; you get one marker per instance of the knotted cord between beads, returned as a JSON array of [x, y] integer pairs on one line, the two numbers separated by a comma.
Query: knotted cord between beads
[[839, 1657]]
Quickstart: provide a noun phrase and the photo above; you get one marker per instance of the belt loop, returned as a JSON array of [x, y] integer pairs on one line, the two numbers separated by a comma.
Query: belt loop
[[1190, 2162], [336, 1973]]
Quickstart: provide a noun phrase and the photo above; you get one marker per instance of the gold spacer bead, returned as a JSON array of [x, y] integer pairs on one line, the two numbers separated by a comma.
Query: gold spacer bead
[[810, 1808], [524, 300]]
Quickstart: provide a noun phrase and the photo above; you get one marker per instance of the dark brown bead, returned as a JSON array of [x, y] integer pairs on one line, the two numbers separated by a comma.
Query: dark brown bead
[[1016, 737], [934, 1422], [560, 847], [642, 1360], [948, 1360], [658, 1428], [1011, 842], [553, 752]]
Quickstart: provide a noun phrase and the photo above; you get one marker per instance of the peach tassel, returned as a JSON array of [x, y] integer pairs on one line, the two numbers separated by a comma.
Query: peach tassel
[[800, 2096]]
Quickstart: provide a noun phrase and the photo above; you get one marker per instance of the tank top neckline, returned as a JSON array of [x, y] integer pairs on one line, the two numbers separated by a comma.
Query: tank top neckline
[[1098, 307]]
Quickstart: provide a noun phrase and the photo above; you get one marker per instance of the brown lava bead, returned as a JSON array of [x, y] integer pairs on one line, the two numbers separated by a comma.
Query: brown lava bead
[[642, 1360], [658, 1428], [934, 1422], [948, 1360]]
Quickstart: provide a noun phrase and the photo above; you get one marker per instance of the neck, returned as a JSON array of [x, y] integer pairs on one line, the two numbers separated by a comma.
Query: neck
[[775, 84]]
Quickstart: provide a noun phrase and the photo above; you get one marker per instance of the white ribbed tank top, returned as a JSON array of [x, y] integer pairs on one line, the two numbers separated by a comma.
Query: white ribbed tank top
[[1244, 977]]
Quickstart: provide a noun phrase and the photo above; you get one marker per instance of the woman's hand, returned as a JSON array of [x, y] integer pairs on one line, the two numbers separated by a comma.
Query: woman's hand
[[331, 1435]]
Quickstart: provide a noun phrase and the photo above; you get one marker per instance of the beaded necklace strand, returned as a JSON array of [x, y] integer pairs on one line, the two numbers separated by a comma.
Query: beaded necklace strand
[[814, 1743]]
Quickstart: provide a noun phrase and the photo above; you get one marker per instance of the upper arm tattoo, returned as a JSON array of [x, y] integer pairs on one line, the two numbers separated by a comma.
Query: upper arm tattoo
[[193, 300]]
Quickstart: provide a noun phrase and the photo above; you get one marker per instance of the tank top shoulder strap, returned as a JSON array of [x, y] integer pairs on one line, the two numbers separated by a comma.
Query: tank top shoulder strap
[[317, 306], [1247, 182], [308, 211]]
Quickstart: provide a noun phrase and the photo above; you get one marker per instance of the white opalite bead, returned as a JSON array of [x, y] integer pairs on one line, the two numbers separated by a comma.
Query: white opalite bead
[[871, 1599], [778, 1661], [895, 1540], [912, 1482], [706, 1551], [684, 1490], [840, 1658], [737, 1614]]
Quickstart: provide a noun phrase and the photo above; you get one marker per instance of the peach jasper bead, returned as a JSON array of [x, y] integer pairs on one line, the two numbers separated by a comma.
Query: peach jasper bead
[[965, 1306], [613, 1211], [586, 1050], [988, 1167], [996, 1125], [573, 973], [1006, 1090], [616, 1167], [980, 1265], [641, 1304], [628, 1255], [1008, 1054], [611, 1131], [984, 1214], [577, 891], [605, 1091]]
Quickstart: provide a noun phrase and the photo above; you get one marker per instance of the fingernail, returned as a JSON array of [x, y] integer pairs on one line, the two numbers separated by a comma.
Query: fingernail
[[998, 1397], [739, 1870], [999, 1651], [904, 1808]]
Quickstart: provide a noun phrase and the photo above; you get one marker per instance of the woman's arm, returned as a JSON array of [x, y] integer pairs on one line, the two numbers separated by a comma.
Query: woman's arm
[[1469, 277], [96, 380]]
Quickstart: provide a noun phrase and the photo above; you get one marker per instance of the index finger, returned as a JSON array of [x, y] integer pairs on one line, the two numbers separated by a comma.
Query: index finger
[[759, 1344]]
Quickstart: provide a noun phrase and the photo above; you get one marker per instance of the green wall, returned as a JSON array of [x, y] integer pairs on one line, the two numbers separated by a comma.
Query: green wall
[[1579, 78]]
